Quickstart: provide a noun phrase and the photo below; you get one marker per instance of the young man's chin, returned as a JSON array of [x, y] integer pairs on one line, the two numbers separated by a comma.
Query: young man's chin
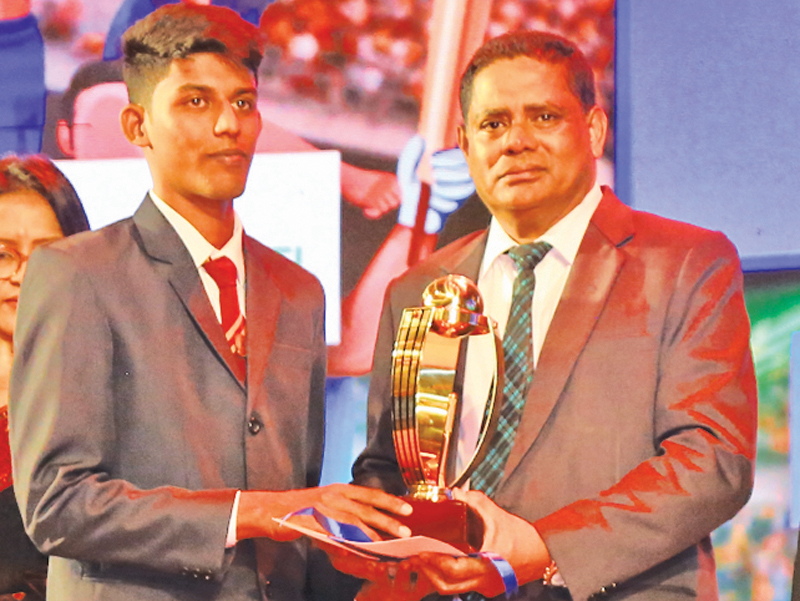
[[227, 190]]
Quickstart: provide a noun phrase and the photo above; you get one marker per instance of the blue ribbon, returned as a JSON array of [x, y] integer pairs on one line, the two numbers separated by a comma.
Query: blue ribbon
[[504, 569], [347, 532], [354, 534]]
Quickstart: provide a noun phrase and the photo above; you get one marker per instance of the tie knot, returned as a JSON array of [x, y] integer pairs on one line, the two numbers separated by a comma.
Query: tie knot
[[222, 271], [527, 256]]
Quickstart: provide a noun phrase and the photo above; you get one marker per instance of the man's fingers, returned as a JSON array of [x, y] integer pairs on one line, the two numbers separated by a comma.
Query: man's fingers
[[367, 506], [376, 498], [454, 575], [353, 517], [474, 498], [364, 516], [360, 567]]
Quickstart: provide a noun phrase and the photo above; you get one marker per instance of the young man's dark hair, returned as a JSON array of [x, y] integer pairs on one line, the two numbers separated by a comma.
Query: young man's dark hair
[[541, 46], [178, 31]]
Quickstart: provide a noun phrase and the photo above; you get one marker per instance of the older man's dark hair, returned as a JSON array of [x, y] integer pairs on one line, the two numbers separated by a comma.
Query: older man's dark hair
[[176, 31], [538, 45]]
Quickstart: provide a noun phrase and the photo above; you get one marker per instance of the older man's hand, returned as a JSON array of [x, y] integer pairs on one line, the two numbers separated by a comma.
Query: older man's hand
[[509, 536]]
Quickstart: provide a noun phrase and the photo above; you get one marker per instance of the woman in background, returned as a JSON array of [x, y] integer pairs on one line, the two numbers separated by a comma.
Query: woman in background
[[37, 205]]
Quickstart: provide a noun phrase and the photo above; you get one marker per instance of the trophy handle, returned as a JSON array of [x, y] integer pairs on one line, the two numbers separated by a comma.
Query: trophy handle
[[425, 406], [489, 427], [414, 324], [425, 365]]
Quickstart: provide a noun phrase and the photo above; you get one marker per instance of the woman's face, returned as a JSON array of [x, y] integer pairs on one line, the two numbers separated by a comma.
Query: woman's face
[[26, 221]]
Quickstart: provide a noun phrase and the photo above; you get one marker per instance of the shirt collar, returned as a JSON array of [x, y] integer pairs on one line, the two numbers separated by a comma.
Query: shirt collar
[[564, 236], [199, 248]]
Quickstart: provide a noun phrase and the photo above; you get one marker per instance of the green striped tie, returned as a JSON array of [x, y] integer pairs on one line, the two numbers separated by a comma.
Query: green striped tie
[[518, 357]]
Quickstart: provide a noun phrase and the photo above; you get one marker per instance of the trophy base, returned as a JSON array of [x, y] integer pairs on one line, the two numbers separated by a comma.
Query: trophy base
[[450, 521]]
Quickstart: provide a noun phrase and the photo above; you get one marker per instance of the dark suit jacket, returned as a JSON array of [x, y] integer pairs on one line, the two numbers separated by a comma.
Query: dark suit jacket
[[638, 435], [131, 428]]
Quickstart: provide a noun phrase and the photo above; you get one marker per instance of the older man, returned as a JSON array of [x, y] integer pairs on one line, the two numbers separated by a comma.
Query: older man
[[628, 426]]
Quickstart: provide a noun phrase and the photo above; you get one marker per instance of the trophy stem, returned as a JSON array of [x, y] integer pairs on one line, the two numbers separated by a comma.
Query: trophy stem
[[428, 492]]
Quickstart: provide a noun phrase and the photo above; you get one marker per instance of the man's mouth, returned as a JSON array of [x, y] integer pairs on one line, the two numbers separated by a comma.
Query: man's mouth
[[522, 173], [230, 156]]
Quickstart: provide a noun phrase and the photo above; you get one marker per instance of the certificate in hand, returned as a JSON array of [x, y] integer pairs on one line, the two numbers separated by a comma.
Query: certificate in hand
[[398, 548]]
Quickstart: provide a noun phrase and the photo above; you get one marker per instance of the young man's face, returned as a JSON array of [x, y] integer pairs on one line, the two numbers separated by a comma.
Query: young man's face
[[201, 130]]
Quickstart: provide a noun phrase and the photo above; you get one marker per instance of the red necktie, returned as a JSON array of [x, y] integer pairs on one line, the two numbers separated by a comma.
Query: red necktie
[[223, 272]]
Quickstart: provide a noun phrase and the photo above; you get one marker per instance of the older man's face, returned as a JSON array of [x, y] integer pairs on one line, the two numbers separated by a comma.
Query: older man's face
[[529, 145]]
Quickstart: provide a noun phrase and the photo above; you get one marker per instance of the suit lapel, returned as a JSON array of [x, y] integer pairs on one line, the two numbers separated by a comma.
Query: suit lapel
[[596, 266], [162, 243], [262, 314], [466, 259]]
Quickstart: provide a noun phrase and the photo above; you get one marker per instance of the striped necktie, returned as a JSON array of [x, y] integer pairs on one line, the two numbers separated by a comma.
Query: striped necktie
[[518, 358], [223, 272]]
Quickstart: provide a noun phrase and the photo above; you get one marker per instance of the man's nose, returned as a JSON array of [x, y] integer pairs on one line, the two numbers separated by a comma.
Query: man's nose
[[521, 136], [227, 121]]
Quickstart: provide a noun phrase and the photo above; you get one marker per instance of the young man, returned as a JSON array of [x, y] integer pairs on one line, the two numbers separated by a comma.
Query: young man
[[167, 401], [628, 428]]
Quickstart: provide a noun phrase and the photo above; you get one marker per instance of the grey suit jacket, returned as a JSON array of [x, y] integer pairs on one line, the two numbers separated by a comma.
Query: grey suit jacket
[[131, 428], [638, 435]]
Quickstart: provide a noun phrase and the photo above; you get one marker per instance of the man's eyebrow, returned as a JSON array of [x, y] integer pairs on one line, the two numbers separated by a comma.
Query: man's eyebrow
[[492, 112], [193, 87], [540, 106], [196, 87], [13, 243], [528, 108]]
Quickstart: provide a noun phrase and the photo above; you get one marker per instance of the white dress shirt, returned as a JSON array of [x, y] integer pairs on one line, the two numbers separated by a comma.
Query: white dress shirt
[[496, 284], [202, 250]]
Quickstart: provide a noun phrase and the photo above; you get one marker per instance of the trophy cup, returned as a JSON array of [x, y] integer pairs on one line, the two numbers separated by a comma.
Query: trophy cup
[[426, 359]]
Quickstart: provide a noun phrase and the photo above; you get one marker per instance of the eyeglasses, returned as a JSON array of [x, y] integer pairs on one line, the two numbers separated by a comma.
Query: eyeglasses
[[10, 262]]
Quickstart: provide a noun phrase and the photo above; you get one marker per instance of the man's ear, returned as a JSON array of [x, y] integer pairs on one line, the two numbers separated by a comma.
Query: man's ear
[[64, 138], [133, 125], [597, 121], [463, 141]]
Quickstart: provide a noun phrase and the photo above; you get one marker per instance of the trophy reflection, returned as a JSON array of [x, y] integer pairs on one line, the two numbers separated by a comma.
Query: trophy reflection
[[426, 403]]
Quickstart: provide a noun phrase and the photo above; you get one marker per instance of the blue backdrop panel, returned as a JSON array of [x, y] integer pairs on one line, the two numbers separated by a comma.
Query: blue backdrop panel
[[708, 118]]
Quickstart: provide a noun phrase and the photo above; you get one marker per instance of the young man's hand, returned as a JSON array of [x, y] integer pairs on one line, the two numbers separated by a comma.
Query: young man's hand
[[367, 508]]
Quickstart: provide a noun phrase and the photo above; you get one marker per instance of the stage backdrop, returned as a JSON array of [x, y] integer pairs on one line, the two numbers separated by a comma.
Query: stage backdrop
[[705, 120]]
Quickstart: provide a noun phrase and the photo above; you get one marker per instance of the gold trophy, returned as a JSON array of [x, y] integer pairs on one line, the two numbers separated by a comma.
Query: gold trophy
[[426, 360]]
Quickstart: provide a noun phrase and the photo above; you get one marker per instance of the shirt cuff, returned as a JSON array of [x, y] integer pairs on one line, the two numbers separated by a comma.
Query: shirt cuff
[[231, 540]]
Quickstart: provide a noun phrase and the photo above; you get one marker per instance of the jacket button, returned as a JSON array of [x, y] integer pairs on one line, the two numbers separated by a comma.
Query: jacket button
[[254, 424]]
